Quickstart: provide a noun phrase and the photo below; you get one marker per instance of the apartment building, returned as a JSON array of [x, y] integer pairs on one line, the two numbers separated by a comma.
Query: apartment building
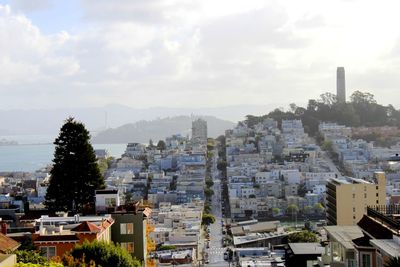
[[347, 199]]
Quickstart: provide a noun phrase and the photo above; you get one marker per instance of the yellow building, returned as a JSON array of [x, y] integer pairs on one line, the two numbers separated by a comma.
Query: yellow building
[[347, 199]]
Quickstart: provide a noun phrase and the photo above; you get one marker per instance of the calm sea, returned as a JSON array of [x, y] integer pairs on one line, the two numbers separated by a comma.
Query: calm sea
[[36, 151]]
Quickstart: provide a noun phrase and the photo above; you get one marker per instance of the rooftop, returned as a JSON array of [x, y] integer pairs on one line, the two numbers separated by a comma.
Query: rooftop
[[249, 238], [344, 234], [7, 243], [306, 248], [389, 246]]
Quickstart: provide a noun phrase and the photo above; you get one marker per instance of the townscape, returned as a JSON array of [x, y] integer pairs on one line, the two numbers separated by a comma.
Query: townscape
[[265, 193]]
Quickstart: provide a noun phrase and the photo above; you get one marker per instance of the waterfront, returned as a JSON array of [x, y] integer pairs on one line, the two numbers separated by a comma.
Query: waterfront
[[30, 157]]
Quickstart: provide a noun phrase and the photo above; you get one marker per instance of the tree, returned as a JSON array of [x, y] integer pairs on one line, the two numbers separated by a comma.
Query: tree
[[292, 208], [221, 165], [208, 192], [207, 219], [151, 145], [303, 237], [100, 254], [161, 145], [275, 211], [209, 183], [75, 174], [328, 99], [30, 256], [207, 207], [319, 208], [128, 197], [359, 97], [308, 209], [327, 146]]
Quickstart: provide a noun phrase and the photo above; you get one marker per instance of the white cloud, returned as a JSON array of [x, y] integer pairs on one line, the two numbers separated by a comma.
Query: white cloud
[[200, 53]]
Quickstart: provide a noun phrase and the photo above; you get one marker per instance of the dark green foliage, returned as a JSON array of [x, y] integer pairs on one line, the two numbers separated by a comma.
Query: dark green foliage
[[221, 165], [167, 247], [209, 183], [208, 192], [27, 243], [362, 110], [30, 256], [393, 262], [75, 174], [207, 219], [292, 208], [319, 208], [303, 237], [207, 207], [161, 145], [100, 253], [327, 146]]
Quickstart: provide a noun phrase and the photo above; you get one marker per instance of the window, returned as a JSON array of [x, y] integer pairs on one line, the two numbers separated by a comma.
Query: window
[[365, 195], [128, 246], [365, 260], [377, 194], [48, 252], [354, 209], [126, 228]]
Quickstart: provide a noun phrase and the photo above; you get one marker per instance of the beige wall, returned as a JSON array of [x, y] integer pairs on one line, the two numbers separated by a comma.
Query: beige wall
[[353, 199], [8, 260]]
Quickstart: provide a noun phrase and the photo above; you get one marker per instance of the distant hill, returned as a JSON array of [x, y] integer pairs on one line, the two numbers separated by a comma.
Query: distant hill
[[158, 129], [96, 119]]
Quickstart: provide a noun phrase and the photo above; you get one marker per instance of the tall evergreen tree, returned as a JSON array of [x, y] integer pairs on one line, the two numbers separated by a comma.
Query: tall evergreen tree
[[75, 174]]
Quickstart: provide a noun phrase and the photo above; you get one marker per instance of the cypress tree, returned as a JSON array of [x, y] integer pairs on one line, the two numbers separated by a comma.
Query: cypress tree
[[75, 174]]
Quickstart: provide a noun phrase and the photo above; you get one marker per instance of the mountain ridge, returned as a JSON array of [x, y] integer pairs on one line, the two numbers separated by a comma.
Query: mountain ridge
[[158, 129]]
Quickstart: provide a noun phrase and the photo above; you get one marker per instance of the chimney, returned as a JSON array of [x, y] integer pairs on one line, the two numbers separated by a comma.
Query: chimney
[[4, 228]]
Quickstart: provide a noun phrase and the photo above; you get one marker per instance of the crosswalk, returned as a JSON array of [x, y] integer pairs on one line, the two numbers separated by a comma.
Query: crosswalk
[[216, 250]]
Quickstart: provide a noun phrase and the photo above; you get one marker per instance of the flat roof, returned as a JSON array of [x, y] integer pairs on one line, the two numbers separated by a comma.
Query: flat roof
[[306, 248], [344, 234], [254, 237]]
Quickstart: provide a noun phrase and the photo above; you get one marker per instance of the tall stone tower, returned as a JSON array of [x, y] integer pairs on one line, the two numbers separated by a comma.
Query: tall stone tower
[[340, 85]]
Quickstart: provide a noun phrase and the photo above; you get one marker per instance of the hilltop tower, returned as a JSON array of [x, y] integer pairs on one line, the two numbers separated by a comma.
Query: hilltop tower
[[340, 85]]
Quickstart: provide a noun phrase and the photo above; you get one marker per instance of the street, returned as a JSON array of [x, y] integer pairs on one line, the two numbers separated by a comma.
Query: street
[[216, 250]]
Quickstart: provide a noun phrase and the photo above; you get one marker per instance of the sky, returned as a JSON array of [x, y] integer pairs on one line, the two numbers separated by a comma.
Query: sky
[[200, 53]]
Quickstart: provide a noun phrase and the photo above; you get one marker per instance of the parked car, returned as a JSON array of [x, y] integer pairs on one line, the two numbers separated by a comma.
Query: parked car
[[226, 255]]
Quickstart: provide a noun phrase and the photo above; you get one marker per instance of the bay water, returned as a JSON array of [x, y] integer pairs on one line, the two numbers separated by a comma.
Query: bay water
[[35, 152]]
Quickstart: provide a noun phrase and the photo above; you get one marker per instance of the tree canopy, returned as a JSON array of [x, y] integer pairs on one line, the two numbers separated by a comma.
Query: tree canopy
[[75, 174], [361, 110], [161, 145], [207, 219], [304, 236], [100, 254]]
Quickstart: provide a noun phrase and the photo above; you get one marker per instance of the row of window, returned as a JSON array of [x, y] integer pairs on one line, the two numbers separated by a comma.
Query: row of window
[[126, 228]]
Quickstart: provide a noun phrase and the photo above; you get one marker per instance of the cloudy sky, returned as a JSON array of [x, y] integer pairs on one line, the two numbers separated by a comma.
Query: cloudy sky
[[200, 53]]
